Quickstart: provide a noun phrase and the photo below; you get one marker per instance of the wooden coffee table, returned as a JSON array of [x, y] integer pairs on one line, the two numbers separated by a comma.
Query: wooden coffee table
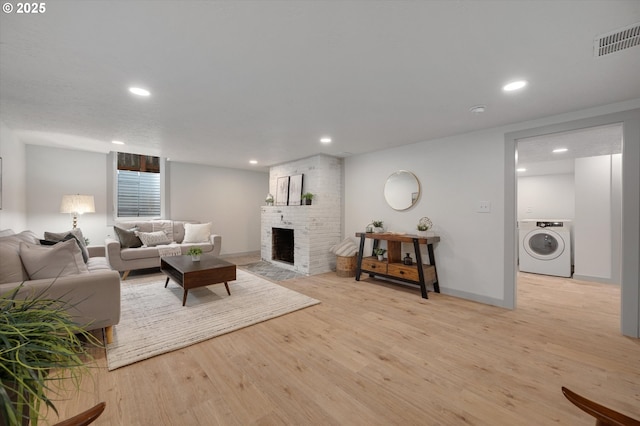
[[189, 274]]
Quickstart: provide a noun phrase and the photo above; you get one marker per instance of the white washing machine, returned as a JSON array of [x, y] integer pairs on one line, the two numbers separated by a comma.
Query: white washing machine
[[545, 247]]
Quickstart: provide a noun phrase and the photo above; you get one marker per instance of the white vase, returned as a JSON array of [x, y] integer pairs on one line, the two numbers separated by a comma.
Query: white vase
[[380, 257], [378, 229], [195, 257], [423, 233]]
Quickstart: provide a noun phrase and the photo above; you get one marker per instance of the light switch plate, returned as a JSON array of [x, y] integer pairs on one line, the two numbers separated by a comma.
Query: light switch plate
[[484, 207]]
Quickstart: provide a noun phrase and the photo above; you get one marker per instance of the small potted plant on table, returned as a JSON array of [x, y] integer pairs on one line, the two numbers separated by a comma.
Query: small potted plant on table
[[424, 224], [378, 226], [195, 253], [380, 253]]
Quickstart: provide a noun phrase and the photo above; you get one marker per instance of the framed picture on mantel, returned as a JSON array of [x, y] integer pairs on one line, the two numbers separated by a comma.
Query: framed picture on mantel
[[282, 192], [295, 190]]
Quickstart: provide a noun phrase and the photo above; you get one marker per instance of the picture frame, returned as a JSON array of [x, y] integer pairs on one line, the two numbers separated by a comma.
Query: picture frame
[[295, 190], [282, 191]]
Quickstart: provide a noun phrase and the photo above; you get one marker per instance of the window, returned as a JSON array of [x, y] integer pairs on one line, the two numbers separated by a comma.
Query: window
[[138, 186]]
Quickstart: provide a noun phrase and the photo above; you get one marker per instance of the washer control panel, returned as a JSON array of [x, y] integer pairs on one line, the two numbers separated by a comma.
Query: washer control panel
[[549, 224]]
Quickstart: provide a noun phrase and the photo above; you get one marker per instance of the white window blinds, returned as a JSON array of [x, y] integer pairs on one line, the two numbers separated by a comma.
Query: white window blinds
[[138, 194]]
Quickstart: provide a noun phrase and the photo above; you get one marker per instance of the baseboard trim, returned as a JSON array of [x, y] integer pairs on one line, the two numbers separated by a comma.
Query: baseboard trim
[[486, 300], [594, 279]]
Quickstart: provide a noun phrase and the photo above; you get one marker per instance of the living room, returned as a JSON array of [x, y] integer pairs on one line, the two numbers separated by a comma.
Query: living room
[[477, 252]]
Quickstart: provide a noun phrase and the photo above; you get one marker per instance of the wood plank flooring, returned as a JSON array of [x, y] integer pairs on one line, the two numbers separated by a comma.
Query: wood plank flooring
[[374, 353]]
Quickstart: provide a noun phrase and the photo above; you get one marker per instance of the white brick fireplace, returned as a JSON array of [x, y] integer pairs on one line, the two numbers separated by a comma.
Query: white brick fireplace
[[316, 227]]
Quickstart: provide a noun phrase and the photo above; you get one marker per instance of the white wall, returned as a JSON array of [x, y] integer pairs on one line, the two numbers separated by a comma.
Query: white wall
[[54, 172], [592, 225], [547, 197], [14, 200], [229, 198], [455, 174]]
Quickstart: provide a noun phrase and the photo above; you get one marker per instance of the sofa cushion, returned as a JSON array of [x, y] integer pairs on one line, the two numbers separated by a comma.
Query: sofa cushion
[[205, 247], [60, 260], [197, 232], [165, 226], [139, 253], [63, 236], [24, 236], [98, 264], [6, 232], [128, 237], [11, 267], [152, 239]]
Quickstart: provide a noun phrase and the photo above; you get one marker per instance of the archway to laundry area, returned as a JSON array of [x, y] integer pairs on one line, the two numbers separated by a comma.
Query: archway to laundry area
[[581, 203]]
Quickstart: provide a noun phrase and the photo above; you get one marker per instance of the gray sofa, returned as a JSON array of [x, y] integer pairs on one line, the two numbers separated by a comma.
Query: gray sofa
[[125, 258], [93, 294]]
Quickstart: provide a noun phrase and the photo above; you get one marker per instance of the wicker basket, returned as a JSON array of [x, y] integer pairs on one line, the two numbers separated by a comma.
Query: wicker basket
[[346, 266]]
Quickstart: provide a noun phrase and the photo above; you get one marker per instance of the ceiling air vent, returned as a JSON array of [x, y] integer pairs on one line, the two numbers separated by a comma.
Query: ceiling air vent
[[617, 40]]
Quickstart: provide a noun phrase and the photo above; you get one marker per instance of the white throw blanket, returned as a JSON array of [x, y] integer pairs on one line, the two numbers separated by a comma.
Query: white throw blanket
[[170, 250]]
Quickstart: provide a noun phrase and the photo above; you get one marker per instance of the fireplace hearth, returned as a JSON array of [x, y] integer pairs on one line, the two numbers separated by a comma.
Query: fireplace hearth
[[282, 245]]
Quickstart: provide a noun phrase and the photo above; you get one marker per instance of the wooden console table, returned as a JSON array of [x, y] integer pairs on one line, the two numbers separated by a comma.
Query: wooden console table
[[393, 267]]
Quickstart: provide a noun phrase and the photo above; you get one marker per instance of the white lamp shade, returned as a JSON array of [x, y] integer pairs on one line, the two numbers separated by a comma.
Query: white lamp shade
[[77, 204]]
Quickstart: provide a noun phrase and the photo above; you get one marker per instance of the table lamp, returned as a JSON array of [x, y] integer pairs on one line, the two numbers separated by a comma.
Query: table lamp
[[76, 205]]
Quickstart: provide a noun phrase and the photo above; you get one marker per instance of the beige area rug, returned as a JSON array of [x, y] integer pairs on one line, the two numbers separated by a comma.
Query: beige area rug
[[153, 320]]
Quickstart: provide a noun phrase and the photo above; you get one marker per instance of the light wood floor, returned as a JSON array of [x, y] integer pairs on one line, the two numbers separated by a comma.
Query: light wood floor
[[377, 354]]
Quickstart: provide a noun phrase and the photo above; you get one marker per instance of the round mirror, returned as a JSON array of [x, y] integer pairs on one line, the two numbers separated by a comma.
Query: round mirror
[[402, 190]]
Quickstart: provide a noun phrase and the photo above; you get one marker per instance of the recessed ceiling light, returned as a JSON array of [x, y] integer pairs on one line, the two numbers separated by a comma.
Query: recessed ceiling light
[[139, 91], [514, 85], [253, 161], [117, 142], [325, 139], [478, 109], [560, 150], [522, 169]]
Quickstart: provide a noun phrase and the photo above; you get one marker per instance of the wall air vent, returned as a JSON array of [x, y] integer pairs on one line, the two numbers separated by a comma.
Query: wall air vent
[[617, 40]]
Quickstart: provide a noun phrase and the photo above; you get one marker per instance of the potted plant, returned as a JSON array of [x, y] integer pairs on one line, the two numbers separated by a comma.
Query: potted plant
[[379, 252], [422, 229], [41, 347], [307, 197], [269, 200], [424, 224], [378, 225], [195, 253]]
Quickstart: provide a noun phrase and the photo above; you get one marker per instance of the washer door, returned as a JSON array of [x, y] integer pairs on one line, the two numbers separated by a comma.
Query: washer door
[[543, 244]]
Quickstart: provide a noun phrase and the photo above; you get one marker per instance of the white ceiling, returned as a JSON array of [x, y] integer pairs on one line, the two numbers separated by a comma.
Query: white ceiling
[[239, 80], [536, 156]]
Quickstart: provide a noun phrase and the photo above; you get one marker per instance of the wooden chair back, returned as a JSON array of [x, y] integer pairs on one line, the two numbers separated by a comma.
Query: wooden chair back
[[604, 416], [84, 418]]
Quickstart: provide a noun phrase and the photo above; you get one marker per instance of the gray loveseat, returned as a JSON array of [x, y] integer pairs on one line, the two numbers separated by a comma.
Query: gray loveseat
[[125, 254], [92, 290]]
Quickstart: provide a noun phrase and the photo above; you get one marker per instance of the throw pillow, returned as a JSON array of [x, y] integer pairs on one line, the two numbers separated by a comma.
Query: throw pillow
[[345, 248], [11, 268], [197, 232], [85, 252], [152, 239], [128, 237], [60, 260], [76, 232]]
